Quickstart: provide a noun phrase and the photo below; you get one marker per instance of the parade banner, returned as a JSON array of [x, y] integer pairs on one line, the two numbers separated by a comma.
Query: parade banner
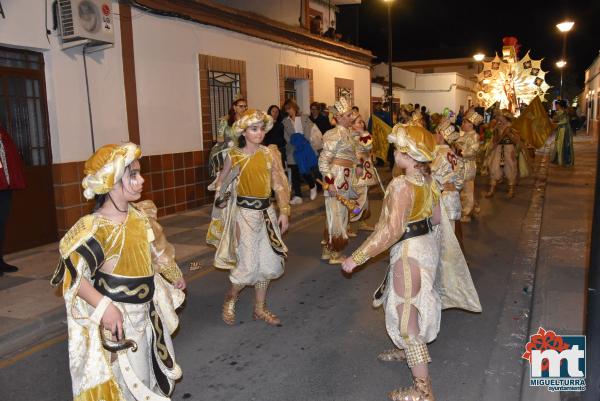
[[380, 133], [533, 124]]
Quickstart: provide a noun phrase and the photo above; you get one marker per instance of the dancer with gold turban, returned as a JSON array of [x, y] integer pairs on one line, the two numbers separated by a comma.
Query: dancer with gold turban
[[121, 285], [251, 246], [445, 171], [502, 159], [427, 271], [369, 177], [466, 147], [339, 166]]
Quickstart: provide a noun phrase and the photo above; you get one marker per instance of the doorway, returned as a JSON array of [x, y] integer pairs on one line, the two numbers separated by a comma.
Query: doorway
[[24, 114]]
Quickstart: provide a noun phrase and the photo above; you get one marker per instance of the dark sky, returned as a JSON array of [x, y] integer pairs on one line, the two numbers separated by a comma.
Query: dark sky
[[427, 29]]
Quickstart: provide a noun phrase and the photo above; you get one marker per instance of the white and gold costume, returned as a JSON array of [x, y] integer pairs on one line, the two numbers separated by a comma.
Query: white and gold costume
[[251, 246], [467, 146], [503, 157], [445, 171], [405, 227], [337, 163], [364, 146], [139, 285]]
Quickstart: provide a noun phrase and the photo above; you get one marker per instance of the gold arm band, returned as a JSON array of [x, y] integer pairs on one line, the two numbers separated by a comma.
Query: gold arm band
[[171, 272], [359, 257]]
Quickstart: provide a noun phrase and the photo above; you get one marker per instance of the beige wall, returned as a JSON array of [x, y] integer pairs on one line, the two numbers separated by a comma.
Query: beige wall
[[168, 82]]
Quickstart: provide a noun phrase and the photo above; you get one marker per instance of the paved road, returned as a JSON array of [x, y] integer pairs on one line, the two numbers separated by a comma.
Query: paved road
[[326, 348]]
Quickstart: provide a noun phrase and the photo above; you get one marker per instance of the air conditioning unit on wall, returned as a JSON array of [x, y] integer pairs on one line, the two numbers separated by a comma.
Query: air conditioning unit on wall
[[86, 21]]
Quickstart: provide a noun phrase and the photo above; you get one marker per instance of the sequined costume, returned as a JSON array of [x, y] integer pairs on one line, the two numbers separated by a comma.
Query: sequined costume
[[467, 146], [364, 146], [444, 170], [142, 268], [251, 246], [337, 163]]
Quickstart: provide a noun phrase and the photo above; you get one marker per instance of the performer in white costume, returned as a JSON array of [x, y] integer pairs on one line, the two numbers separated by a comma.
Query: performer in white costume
[[121, 286]]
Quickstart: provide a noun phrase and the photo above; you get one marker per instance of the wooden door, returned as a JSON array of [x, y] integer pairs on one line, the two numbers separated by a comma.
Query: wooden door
[[24, 114]]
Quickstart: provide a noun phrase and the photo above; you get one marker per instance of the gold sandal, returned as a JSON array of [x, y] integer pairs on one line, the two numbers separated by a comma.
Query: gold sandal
[[420, 391], [262, 313], [392, 355], [229, 310]]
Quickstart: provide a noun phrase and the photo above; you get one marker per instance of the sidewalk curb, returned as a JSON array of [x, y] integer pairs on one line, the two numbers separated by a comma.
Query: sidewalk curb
[[54, 323], [503, 376]]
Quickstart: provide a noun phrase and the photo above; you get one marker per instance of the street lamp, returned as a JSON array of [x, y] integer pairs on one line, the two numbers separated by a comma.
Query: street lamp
[[390, 87], [479, 57], [561, 65], [563, 27]]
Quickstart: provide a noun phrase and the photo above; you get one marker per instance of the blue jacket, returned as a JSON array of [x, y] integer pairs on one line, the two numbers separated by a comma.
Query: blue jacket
[[305, 156]]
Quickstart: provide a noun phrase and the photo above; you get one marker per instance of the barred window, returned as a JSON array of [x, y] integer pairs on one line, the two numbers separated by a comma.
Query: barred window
[[223, 87], [290, 89]]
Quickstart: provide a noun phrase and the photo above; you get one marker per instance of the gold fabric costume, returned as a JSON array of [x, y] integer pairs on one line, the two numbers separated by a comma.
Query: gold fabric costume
[[502, 160], [135, 251], [445, 278], [444, 171], [337, 163], [247, 240], [364, 147], [467, 146]]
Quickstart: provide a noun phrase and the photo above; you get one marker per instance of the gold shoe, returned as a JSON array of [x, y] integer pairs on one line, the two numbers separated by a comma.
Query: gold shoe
[[364, 226], [326, 255], [420, 391], [465, 219], [229, 310], [351, 233], [262, 313], [491, 191], [392, 355], [336, 258]]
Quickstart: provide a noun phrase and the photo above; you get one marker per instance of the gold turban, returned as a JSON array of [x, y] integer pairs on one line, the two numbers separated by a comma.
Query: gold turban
[[250, 117], [106, 167], [413, 140]]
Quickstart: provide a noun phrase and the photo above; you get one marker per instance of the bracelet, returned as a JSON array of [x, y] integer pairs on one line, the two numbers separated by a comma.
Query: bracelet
[[100, 309], [359, 257]]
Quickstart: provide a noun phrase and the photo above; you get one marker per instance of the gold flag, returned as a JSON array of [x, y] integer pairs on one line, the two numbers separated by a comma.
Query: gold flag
[[534, 125], [380, 131]]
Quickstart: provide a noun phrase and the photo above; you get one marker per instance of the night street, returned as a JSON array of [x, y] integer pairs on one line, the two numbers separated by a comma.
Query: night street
[[327, 346]]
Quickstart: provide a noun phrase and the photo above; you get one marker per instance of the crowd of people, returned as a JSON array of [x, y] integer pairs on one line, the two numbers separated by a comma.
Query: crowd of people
[[122, 285]]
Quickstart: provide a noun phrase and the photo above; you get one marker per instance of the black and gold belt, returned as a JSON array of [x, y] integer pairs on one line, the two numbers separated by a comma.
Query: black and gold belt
[[506, 141], [417, 228], [129, 290], [413, 229], [253, 203]]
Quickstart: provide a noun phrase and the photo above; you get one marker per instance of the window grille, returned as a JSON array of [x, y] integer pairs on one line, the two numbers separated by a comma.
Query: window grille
[[223, 87]]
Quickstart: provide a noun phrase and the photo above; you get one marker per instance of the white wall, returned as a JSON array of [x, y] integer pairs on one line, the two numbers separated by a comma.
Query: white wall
[[65, 83], [286, 11], [25, 24], [168, 80]]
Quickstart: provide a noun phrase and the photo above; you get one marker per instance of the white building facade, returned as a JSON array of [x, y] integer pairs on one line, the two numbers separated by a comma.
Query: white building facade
[[436, 91], [590, 98], [165, 81]]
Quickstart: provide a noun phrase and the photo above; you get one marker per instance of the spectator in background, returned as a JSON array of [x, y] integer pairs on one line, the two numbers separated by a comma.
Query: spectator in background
[[11, 177], [318, 118], [426, 118], [316, 24], [276, 136], [297, 129], [355, 110]]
